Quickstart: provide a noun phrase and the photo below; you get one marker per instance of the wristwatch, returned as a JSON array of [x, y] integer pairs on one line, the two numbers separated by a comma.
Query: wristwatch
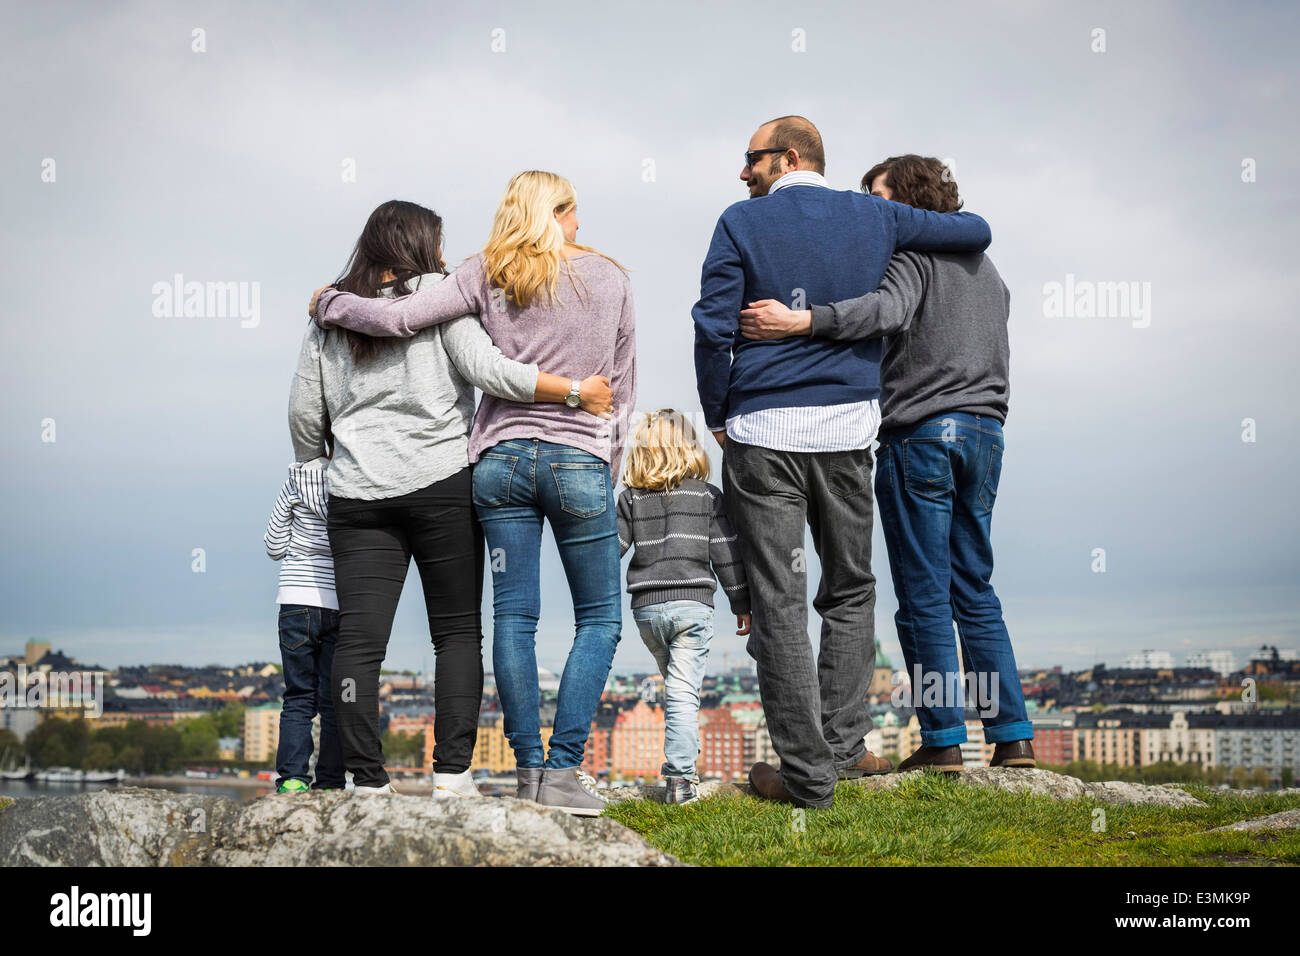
[[574, 399]]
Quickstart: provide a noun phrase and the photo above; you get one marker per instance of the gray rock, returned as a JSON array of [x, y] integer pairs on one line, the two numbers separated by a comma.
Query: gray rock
[[139, 827], [342, 829], [1055, 786], [1286, 820], [130, 826], [709, 788]]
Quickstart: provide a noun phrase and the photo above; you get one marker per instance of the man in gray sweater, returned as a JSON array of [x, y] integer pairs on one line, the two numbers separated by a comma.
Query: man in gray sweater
[[944, 398]]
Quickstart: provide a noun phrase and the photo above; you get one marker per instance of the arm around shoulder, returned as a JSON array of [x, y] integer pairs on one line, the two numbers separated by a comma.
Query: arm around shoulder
[[886, 311]]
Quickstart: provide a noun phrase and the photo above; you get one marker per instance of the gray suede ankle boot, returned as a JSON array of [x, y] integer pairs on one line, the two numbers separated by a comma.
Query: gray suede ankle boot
[[527, 780], [572, 791]]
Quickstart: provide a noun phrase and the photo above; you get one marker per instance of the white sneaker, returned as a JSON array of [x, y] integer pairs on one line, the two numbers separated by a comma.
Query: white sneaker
[[450, 786], [386, 788]]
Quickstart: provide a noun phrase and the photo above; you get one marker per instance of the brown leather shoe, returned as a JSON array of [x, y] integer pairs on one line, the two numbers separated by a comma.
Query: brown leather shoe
[[869, 766], [946, 759], [766, 781], [1014, 753]]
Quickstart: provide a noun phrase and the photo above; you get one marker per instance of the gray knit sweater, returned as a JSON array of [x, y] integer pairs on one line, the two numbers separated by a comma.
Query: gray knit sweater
[[945, 316], [682, 539]]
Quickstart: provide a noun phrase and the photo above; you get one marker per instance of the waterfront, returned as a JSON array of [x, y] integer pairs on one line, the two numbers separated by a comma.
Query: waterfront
[[242, 790]]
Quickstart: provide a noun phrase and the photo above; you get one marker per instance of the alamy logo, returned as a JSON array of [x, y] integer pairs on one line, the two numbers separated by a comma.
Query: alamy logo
[[73, 909], [208, 300], [52, 689], [1085, 299], [955, 689]]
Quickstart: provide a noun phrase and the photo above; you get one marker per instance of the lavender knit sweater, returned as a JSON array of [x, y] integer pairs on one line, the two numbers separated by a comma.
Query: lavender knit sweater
[[589, 330]]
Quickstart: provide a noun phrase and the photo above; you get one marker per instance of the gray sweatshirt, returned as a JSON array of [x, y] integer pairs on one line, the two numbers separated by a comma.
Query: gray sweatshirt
[[400, 419], [945, 316], [682, 539]]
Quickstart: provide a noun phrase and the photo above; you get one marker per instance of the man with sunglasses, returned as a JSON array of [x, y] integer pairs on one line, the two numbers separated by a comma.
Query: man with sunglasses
[[796, 418]]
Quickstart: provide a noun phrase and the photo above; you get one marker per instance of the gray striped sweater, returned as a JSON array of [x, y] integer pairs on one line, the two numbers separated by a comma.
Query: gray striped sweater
[[682, 539]]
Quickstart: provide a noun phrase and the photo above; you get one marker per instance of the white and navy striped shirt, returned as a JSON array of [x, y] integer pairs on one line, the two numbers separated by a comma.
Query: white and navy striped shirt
[[297, 537], [813, 428]]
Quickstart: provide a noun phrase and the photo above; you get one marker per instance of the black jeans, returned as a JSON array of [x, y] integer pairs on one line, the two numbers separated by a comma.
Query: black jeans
[[373, 543], [816, 710]]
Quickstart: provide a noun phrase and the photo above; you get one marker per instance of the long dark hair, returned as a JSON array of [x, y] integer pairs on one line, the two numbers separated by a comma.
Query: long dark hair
[[399, 237]]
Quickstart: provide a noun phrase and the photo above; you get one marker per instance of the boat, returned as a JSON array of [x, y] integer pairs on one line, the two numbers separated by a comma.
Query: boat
[[60, 775], [104, 776], [10, 772]]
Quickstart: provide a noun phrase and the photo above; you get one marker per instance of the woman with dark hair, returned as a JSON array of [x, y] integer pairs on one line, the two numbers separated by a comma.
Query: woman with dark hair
[[399, 412], [944, 386]]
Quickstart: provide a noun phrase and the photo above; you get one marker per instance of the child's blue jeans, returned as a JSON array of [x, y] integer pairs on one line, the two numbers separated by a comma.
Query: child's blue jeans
[[678, 633], [307, 636]]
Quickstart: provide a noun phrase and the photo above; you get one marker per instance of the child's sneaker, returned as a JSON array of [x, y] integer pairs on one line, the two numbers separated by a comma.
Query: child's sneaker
[[681, 790], [292, 785]]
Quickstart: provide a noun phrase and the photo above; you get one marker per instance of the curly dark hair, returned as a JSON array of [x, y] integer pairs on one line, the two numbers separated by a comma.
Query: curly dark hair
[[920, 181]]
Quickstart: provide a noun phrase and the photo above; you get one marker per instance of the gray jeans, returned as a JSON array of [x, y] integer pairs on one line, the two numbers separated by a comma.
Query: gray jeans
[[816, 711]]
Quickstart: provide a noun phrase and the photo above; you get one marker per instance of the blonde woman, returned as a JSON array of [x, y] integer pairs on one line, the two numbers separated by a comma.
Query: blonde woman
[[679, 527], [543, 298]]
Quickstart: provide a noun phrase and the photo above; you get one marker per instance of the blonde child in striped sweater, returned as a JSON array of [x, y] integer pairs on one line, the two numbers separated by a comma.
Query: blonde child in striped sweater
[[678, 524]]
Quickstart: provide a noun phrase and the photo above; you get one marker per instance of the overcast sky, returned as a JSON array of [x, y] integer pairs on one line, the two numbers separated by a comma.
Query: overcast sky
[[227, 165]]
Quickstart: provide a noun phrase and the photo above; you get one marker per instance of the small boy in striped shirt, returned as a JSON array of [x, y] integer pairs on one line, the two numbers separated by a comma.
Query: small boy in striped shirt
[[677, 522], [296, 536]]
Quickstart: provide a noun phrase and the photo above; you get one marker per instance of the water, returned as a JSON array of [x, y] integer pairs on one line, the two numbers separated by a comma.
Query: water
[[41, 788]]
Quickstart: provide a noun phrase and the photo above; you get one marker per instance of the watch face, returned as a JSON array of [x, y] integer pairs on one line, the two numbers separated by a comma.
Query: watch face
[[573, 401]]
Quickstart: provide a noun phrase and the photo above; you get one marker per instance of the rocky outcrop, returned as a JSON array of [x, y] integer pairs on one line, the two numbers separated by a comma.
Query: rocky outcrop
[[140, 827], [1043, 782], [1055, 786], [128, 827], [1286, 820]]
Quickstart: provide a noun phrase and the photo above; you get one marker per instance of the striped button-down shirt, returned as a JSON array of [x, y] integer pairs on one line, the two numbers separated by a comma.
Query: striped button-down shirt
[[813, 428]]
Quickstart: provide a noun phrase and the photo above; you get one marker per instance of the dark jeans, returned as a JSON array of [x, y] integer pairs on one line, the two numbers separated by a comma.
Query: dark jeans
[[816, 711], [307, 637], [373, 543], [518, 483], [936, 487]]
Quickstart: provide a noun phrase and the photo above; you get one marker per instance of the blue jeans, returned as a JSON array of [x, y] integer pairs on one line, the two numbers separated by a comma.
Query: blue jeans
[[935, 489], [307, 638], [678, 633], [517, 483]]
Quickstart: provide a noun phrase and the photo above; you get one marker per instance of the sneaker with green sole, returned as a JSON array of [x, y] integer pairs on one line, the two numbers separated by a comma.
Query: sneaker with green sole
[[293, 785]]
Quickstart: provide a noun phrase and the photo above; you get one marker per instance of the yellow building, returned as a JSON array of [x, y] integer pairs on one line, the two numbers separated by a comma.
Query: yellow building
[[491, 750], [261, 732], [1106, 740]]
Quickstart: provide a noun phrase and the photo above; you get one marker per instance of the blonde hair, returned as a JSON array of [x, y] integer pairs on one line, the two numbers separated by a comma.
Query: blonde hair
[[523, 254], [663, 450]]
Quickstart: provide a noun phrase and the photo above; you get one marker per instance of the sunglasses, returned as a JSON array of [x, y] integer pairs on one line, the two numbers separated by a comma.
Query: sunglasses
[[751, 154]]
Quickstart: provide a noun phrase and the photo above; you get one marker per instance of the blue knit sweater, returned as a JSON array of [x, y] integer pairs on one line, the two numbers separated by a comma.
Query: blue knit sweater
[[804, 245]]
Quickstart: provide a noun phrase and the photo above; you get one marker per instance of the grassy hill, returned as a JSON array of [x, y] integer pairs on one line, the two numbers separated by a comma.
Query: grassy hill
[[935, 821]]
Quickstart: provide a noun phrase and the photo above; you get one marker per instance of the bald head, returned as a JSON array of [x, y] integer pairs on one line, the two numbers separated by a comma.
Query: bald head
[[799, 134], [780, 145]]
